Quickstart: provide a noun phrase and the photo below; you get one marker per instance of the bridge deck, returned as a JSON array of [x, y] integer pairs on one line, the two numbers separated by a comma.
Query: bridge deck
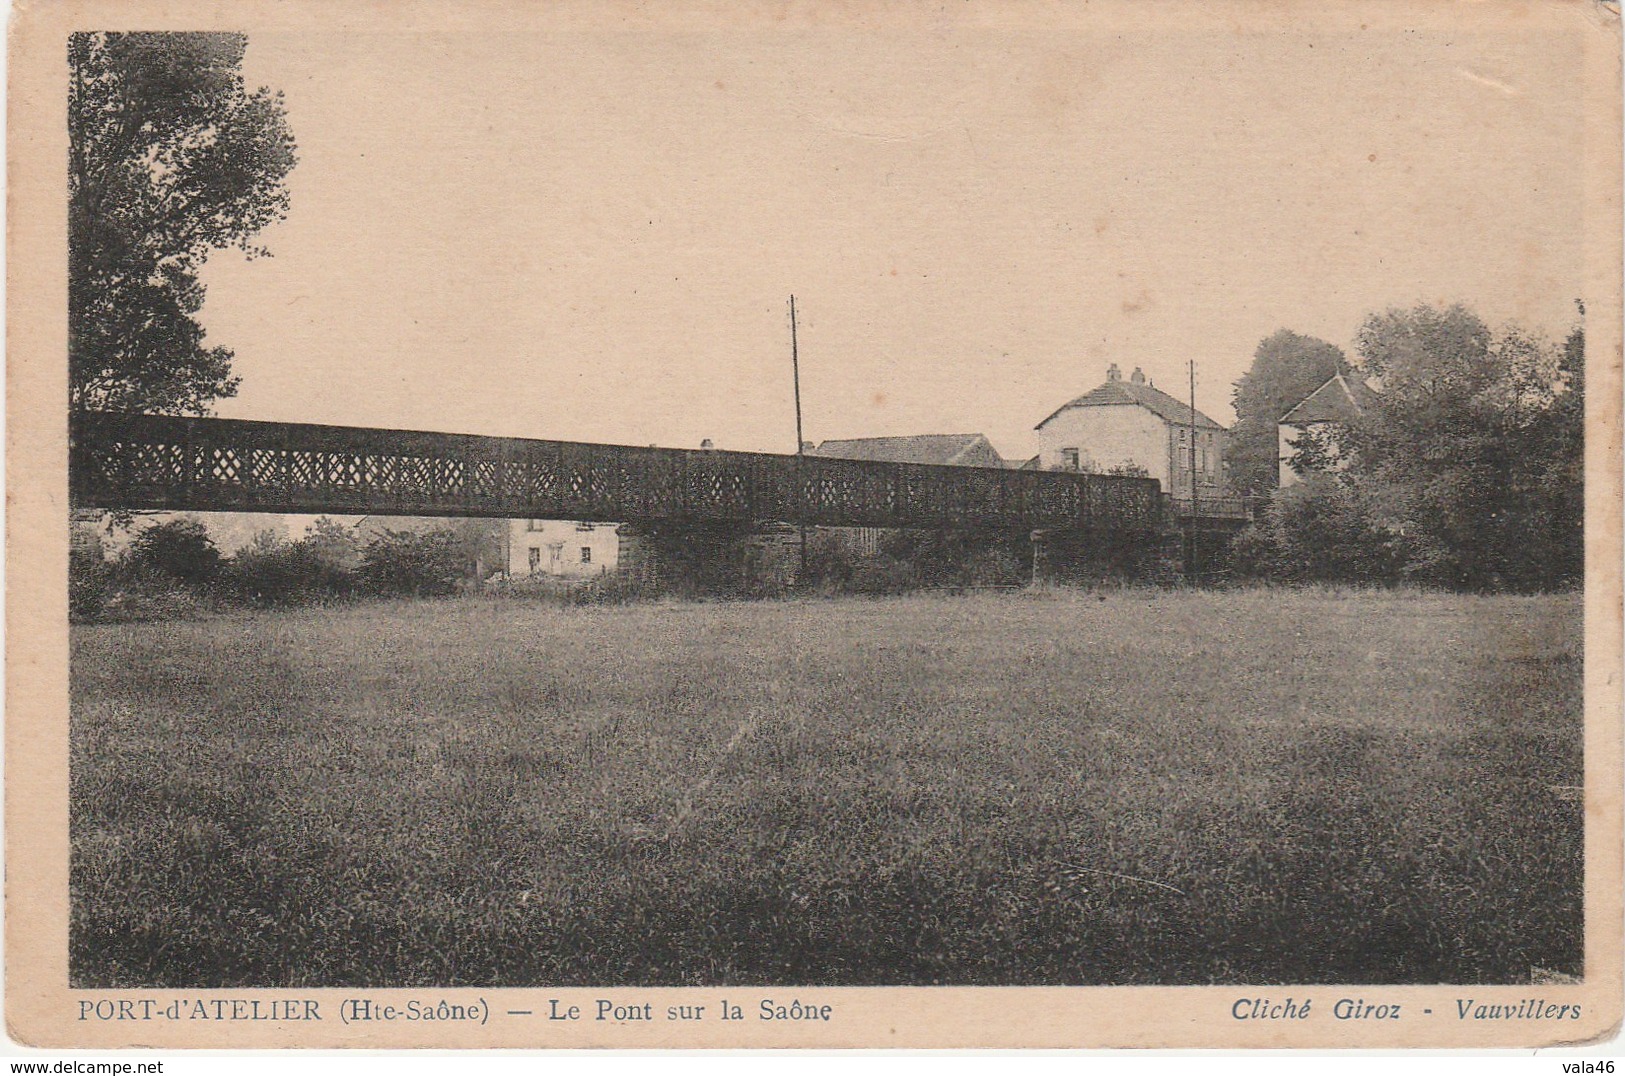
[[133, 461]]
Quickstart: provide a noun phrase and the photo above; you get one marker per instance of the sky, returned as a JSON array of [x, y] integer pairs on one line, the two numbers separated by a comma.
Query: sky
[[592, 235]]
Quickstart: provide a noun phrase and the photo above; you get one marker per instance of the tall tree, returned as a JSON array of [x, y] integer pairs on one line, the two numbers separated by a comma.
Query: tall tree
[[1456, 450], [1555, 468], [170, 158], [1286, 367]]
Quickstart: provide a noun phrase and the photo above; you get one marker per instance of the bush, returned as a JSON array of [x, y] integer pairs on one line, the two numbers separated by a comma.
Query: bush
[[696, 560], [334, 545], [1323, 530], [836, 566], [405, 563], [135, 593], [179, 550], [275, 572], [1253, 553], [612, 588], [915, 559], [90, 580], [606, 588], [170, 571], [940, 558]]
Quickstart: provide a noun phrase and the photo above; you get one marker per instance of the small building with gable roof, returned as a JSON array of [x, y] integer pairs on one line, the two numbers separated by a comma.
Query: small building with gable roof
[[949, 449], [1323, 412]]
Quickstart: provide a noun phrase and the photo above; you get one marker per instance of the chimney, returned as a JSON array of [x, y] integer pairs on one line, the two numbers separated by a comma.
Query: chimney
[[1113, 373], [1138, 376]]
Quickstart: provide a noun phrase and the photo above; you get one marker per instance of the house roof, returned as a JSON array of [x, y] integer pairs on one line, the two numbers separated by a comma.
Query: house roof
[[1121, 393], [1338, 400], [941, 448]]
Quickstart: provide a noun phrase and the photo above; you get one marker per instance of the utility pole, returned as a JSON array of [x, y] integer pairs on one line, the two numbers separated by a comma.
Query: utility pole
[[795, 371], [801, 504], [1195, 533]]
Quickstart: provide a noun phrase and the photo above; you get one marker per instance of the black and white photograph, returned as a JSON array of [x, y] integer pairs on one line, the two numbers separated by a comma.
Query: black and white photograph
[[594, 525]]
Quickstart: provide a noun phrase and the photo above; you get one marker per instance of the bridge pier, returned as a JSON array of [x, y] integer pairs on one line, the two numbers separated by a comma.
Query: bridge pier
[[752, 558]]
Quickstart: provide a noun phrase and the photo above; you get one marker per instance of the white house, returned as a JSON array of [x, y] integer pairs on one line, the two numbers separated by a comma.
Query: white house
[[1131, 425], [1335, 404], [562, 547]]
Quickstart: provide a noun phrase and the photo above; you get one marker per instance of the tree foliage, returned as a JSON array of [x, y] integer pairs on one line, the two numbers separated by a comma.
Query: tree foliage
[[1317, 449], [1458, 451], [1464, 471], [271, 570], [180, 550], [1286, 368], [412, 564], [1326, 529], [170, 158]]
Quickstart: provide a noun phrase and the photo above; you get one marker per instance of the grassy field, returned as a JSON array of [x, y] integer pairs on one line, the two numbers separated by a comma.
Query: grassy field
[[1043, 787]]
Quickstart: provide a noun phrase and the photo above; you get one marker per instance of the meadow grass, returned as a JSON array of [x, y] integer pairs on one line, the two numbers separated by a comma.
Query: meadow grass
[[1037, 787]]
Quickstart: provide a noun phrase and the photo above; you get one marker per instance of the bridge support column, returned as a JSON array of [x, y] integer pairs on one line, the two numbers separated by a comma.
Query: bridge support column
[[711, 558], [772, 560]]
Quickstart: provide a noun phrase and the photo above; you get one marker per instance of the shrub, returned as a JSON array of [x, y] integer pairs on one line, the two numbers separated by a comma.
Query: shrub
[[169, 571], [703, 559], [1323, 530], [334, 545], [948, 558], [612, 588], [606, 588], [1253, 553], [90, 579], [135, 592], [405, 563], [179, 550], [271, 571], [835, 565]]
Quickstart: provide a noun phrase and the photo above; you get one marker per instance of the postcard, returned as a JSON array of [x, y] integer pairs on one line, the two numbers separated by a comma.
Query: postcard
[[814, 524]]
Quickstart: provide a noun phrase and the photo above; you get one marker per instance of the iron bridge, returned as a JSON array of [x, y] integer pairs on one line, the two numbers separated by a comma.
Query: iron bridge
[[120, 460]]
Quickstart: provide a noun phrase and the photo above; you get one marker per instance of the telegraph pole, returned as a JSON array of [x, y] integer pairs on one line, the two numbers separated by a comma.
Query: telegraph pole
[[1195, 534], [801, 506], [795, 372]]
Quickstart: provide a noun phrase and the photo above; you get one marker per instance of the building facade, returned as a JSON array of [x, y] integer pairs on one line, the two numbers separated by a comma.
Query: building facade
[[1134, 427], [561, 547]]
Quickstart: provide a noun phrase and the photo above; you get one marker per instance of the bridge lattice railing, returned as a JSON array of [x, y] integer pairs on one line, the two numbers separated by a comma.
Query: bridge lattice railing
[[135, 461]]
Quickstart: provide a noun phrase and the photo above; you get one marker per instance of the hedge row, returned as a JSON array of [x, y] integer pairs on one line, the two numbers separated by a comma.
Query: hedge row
[[174, 568]]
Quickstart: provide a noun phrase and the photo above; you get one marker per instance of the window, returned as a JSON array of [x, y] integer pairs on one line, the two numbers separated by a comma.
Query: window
[[585, 528], [535, 560], [1069, 459], [534, 524], [586, 554]]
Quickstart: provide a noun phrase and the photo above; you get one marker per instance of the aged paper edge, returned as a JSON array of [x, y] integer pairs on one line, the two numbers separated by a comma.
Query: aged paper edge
[[41, 1010]]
